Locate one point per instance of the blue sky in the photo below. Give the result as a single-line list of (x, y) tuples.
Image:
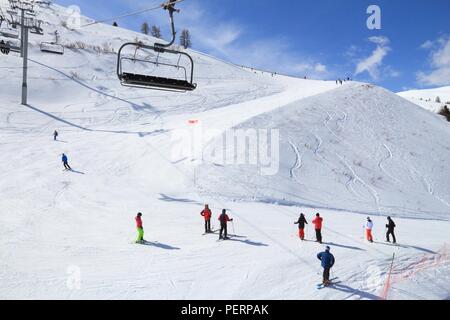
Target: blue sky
[(323, 39)]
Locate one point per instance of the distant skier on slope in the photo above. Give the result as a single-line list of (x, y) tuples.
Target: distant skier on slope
[(369, 227), (390, 230), (224, 218), (327, 260), (318, 220), (206, 213), (301, 226), (140, 228), (65, 162), (55, 135)]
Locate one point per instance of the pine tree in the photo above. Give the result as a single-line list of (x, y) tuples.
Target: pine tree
[(115, 24), (185, 39), (145, 28), (438, 99), (156, 32), (445, 112)]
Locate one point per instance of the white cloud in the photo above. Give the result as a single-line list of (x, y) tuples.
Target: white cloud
[(373, 63), (380, 40), (320, 68), (439, 75), (427, 45)]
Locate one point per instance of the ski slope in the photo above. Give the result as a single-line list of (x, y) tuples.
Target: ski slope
[(355, 148), (426, 98), (346, 152)]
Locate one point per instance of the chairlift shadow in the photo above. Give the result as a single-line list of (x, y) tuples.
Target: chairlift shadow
[(140, 134), (144, 106), (164, 197)]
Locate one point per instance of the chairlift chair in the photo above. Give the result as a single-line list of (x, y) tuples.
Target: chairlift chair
[(53, 47), (9, 31), (157, 56), (7, 46)]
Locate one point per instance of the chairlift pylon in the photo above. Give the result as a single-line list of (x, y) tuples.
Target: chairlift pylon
[(184, 82)]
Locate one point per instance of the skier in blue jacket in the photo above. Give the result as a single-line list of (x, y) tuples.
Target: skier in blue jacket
[(65, 161), (327, 260)]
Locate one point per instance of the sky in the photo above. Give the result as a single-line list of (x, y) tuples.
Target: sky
[(321, 39)]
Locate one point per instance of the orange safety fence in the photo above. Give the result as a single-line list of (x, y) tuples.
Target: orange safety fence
[(427, 261)]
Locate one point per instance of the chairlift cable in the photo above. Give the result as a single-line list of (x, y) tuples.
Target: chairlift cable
[(130, 14)]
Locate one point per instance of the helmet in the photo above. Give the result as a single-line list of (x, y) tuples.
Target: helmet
[(327, 248)]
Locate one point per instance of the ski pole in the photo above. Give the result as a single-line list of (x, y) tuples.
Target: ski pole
[(232, 224)]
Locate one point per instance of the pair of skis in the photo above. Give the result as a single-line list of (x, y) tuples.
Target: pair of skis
[(333, 282), (209, 232)]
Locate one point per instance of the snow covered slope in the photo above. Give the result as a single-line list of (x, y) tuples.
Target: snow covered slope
[(358, 148), (427, 98), (68, 235)]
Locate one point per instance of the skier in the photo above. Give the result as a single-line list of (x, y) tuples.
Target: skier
[(206, 213), (327, 260), (390, 230), (224, 218), (65, 162), (140, 228), (301, 226), (55, 135), (318, 227), (369, 227)]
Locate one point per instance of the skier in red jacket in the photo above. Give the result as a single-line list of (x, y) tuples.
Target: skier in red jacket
[(140, 228), (318, 226), (206, 213), (224, 218)]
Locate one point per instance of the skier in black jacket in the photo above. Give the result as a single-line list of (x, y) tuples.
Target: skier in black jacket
[(224, 218), (390, 230), (301, 226)]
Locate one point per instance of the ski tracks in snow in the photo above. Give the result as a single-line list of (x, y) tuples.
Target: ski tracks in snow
[(298, 162), (355, 179), (428, 185), (390, 156)]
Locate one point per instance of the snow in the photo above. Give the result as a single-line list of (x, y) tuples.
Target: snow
[(426, 98), (345, 151)]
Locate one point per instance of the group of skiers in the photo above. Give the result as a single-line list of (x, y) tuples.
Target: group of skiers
[(327, 259), (341, 82), (390, 226), (317, 222), (223, 219)]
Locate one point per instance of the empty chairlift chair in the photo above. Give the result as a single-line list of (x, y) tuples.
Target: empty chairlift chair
[(8, 30), (166, 68)]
